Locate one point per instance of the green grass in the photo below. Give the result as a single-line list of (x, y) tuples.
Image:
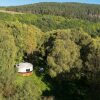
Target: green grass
[(20, 80)]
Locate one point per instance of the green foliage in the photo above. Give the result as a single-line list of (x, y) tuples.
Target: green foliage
[(63, 57), (69, 52), (27, 38), (93, 62), (65, 50), (14, 87), (7, 17), (28, 88), (7, 50), (71, 10), (51, 22), (7, 86)]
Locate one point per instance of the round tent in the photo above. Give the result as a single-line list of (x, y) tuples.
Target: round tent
[(25, 68)]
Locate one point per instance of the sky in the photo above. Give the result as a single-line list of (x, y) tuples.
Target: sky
[(23, 2)]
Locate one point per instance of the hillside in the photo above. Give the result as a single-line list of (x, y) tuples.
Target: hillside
[(51, 22), (71, 10), (66, 47)]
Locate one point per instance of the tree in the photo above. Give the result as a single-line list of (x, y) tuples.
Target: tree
[(64, 57), (7, 61), (93, 58), (61, 51), (7, 50), (27, 38)]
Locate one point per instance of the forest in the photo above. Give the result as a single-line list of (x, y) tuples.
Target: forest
[(70, 10), (65, 44)]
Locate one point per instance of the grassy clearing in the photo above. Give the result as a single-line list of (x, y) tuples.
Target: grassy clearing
[(10, 12)]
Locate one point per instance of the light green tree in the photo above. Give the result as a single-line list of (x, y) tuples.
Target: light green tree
[(64, 56)]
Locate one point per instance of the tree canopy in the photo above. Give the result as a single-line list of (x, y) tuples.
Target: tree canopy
[(63, 39)]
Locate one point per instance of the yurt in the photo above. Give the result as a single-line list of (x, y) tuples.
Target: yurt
[(25, 69)]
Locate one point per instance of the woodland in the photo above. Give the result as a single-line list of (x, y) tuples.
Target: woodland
[(62, 38)]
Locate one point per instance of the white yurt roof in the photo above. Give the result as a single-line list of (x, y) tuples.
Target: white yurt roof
[(24, 65)]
